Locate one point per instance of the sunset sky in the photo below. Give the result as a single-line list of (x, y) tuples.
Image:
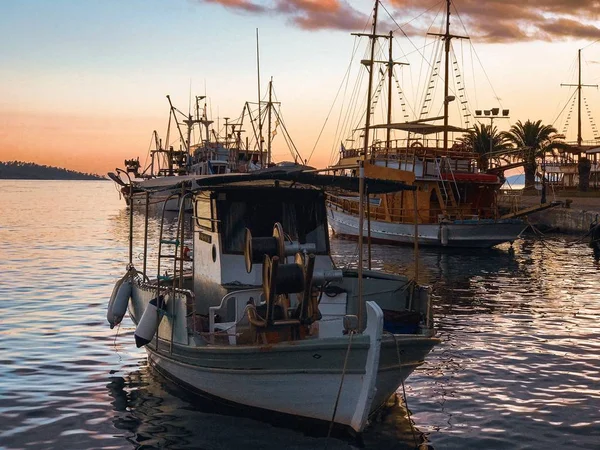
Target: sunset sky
[(83, 83)]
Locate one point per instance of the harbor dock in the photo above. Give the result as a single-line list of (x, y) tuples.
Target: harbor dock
[(577, 210)]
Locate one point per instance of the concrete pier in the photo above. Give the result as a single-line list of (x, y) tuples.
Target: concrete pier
[(575, 214)]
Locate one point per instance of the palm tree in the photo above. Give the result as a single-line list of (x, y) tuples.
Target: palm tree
[(533, 140), (478, 140)]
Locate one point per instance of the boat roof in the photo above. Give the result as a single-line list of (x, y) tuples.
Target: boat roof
[(303, 175)]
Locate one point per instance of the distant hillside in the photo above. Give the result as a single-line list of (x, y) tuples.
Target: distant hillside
[(18, 170), (516, 179)]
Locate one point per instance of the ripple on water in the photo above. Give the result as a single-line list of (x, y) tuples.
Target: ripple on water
[(518, 367)]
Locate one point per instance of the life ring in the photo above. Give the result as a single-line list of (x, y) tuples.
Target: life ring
[(417, 144)]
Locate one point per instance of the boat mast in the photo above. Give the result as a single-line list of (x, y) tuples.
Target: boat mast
[(361, 184), (190, 122), (389, 111), (579, 139), (260, 136), (446, 74), (369, 64), (579, 86), (390, 65), (447, 37), (269, 106)]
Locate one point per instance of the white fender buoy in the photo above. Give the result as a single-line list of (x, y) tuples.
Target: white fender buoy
[(444, 234), (148, 324), (119, 299)]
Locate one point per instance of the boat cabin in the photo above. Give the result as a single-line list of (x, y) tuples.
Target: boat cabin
[(223, 214)]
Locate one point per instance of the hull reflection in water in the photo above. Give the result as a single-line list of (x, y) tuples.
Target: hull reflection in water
[(154, 412)]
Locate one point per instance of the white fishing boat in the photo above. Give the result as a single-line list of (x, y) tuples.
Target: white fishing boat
[(258, 314), (210, 153)]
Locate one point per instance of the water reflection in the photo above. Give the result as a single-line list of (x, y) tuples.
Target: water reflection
[(152, 412), (518, 366)]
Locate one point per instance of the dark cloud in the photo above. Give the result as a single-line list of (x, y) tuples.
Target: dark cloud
[(489, 20), (319, 14), (518, 20)]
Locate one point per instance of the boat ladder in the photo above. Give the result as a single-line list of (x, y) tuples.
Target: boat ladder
[(179, 252), (442, 165)]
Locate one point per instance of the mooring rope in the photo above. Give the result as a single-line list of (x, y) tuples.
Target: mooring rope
[(412, 428), (542, 236), (337, 399)]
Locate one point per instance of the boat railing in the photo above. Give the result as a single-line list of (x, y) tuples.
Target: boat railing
[(388, 213), (422, 148)]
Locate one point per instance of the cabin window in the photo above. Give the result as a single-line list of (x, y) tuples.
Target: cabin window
[(204, 213), (300, 211)]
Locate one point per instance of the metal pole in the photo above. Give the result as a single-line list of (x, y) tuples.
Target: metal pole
[(361, 219), (446, 74), (389, 111), (260, 137), (130, 223), (146, 233), (270, 106), (361, 172), (579, 138), (369, 230), (416, 240)]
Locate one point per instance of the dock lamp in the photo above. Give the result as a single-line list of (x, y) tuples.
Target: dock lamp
[(491, 114)]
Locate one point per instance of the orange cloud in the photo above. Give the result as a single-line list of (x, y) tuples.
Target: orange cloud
[(306, 14), (244, 5), (489, 21)]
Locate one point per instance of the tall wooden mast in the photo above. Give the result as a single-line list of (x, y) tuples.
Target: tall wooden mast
[(361, 185), (369, 65), (270, 106), (579, 86), (390, 67), (260, 136), (447, 37)]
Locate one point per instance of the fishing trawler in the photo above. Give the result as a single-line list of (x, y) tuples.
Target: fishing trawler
[(258, 314), (456, 199), (210, 155), (213, 154)]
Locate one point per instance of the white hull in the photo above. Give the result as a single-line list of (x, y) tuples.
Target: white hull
[(468, 233), (287, 377), (290, 395)]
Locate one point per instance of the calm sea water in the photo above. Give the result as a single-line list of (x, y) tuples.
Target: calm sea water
[(519, 365)]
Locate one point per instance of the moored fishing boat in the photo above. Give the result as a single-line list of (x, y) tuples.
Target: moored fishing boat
[(456, 200), (211, 153), (263, 317)]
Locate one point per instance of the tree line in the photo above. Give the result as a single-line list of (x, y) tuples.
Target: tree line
[(530, 143), (15, 170)]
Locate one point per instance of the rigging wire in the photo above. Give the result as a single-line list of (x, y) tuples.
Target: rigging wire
[(496, 96), (400, 27), (572, 97), (339, 89)]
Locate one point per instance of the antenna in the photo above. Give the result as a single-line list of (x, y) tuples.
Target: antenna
[(260, 136), (190, 99)]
